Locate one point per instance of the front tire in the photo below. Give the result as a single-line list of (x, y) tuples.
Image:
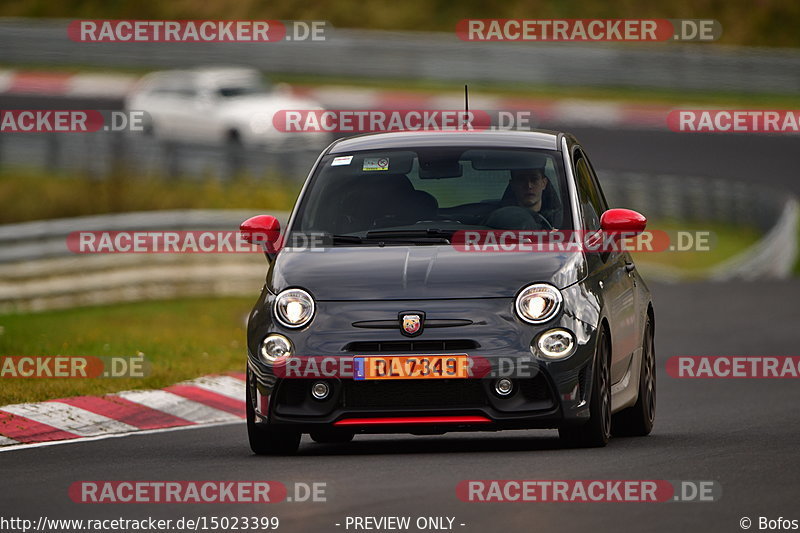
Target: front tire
[(596, 432), (266, 440), (637, 420)]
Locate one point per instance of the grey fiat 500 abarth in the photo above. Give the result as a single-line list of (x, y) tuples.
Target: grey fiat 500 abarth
[(429, 282)]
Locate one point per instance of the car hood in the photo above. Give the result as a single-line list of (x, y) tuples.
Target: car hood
[(418, 272)]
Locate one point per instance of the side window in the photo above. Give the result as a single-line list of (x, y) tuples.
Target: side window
[(603, 201), (173, 87), (592, 202)]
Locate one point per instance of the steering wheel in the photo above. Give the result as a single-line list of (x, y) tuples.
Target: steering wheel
[(541, 219)]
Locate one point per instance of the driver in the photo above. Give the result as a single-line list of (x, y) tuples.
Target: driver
[(528, 186), (522, 206)]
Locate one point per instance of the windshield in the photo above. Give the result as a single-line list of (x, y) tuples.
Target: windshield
[(428, 192), (244, 87)]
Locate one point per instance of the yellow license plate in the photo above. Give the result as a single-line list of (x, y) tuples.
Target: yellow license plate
[(412, 367)]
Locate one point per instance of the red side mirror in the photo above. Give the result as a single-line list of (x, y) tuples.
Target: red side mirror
[(264, 230), (623, 221)]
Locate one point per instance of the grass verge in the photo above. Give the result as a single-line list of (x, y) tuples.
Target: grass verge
[(180, 339), (725, 242)]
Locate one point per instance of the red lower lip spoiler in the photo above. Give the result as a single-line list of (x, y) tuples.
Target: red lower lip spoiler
[(413, 420)]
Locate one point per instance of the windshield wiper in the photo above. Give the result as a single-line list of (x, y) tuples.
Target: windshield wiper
[(395, 237), (431, 235), (348, 239)]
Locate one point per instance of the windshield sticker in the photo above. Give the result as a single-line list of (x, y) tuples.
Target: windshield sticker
[(341, 160), (376, 163)]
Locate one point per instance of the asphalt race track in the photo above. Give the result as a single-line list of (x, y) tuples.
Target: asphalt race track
[(757, 159), (740, 433)]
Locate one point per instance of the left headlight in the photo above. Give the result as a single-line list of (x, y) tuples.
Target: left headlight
[(275, 349), (556, 343), (294, 308), (538, 303)]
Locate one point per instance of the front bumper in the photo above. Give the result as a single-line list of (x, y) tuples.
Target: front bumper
[(546, 393), (378, 404)]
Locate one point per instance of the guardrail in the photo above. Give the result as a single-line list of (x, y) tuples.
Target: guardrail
[(732, 203), (696, 199), (432, 56), (38, 272)]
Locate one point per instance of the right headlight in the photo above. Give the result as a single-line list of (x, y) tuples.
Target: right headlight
[(538, 303), (294, 308)]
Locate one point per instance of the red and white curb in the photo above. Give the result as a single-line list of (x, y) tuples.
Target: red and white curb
[(551, 111), (209, 400), (66, 84)]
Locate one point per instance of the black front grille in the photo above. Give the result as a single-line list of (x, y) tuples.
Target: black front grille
[(449, 345), (535, 389), (409, 394)]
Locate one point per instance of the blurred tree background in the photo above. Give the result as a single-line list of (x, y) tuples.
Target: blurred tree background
[(745, 22)]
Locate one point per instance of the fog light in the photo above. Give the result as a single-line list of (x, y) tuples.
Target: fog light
[(275, 349), (556, 343), (320, 390), (504, 387)]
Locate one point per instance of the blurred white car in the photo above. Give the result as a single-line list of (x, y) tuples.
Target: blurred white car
[(216, 106)]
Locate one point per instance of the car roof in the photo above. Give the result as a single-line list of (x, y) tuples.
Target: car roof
[(537, 139)]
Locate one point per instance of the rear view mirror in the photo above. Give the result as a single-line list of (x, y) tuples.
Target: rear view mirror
[(439, 168), (623, 221), (505, 159)]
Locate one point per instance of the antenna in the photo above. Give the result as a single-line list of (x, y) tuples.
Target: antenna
[(466, 98)]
